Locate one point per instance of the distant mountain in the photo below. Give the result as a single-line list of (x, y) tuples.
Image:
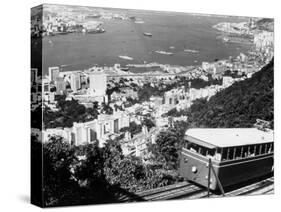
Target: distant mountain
[(265, 24), (238, 105)]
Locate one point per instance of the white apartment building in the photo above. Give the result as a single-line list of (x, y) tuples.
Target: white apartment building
[(53, 73), (98, 130), (75, 81), (98, 83)]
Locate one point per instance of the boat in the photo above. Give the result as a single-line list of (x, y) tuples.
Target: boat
[(190, 51), (96, 31), (124, 68), (147, 34), (94, 16), (225, 39), (139, 21), (165, 53), (125, 57)]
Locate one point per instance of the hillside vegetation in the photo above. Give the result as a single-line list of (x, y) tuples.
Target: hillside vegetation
[(265, 24), (239, 105)]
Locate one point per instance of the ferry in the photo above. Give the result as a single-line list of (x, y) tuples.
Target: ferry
[(133, 18), (139, 21), (190, 51), (165, 53), (225, 39), (96, 31), (147, 34), (125, 57)]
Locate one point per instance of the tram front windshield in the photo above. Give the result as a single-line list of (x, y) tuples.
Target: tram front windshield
[(202, 150)]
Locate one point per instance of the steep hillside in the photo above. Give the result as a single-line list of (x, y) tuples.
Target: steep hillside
[(265, 24), (239, 105)]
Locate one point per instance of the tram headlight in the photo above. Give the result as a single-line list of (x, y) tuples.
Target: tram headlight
[(194, 169)]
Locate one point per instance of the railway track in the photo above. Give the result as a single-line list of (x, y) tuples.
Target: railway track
[(187, 190)]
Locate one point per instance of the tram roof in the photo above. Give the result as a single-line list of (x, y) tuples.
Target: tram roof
[(228, 137)]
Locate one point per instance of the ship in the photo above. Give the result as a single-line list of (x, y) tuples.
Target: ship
[(147, 34), (138, 21), (163, 52), (190, 51), (96, 31), (133, 18), (125, 57), (125, 68)]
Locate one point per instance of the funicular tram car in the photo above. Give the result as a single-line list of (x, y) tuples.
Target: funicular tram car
[(237, 155)]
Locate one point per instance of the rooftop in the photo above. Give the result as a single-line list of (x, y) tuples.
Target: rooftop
[(225, 137)]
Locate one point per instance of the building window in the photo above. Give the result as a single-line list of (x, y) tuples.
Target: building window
[(72, 139), (116, 126), (93, 135)]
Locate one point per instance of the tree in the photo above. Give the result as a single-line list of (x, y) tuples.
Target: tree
[(90, 175), (69, 112), (92, 113), (106, 109), (112, 153), (167, 147), (74, 175), (127, 172), (57, 177), (133, 128), (90, 172), (148, 123)]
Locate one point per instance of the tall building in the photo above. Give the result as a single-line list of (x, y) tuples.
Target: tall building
[(98, 83), (60, 85), (54, 73), (34, 74), (45, 85), (251, 23), (82, 134), (75, 81)]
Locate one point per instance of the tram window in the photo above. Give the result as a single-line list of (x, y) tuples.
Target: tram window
[(272, 147), (245, 151), (269, 150), (257, 149), (231, 153), (260, 149), (186, 145), (218, 154), (263, 149), (203, 151), (210, 153), (251, 150), (193, 147), (237, 154), (224, 154)]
